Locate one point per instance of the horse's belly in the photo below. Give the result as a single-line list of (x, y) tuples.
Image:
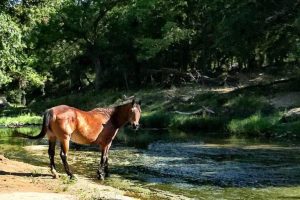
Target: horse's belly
[(81, 139)]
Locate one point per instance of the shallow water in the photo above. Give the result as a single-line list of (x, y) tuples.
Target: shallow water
[(176, 165)]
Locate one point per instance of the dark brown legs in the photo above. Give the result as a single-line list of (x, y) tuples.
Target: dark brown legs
[(103, 168), (64, 156), (51, 152)]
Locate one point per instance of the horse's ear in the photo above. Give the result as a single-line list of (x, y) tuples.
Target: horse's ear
[(140, 102), (133, 102)]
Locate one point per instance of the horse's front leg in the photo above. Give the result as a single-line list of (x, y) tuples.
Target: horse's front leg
[(64, 157), (106, 171), (103, 167)]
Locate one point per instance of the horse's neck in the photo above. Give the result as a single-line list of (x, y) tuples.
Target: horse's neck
[(120, 116), (105, 112), (117, 115)]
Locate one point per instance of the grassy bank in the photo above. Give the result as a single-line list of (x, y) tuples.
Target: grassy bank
[(247, 111)]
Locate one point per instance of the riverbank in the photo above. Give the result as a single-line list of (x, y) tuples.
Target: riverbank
[(20, 180), (248, 110)]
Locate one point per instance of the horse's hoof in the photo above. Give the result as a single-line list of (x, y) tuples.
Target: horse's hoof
[(73, 177), (101, 177), (55, 176)]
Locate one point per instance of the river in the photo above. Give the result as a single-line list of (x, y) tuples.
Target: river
[(177, 165)]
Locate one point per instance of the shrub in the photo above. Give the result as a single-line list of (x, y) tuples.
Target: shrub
[(288, 129), (156, 119), (245, 106), (197, 123), (255, 125)]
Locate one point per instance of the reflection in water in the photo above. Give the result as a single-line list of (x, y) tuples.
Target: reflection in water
[(176, 165)]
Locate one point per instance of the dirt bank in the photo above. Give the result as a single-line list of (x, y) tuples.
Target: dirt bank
[(19, 180)]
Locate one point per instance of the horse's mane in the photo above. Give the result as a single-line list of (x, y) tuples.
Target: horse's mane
[(120, 103), (108, 111)]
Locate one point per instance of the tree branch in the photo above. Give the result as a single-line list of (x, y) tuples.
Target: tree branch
[(203, 110)]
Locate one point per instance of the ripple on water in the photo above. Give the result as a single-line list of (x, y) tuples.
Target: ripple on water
[(223, 166)]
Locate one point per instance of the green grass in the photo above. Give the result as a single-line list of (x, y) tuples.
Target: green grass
[(243, 106), (255, 125), (242, 112), (291, 129), (182, 122), (197, 123), (21, 119), (156, 119)]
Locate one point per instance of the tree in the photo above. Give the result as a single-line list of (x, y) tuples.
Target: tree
[(18, 70)]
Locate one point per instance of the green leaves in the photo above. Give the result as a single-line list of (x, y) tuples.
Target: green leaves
[(171, 34), (11, 47), (70, 43)]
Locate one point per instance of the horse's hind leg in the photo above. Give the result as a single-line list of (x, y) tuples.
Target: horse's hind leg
[(51, 152), (64, 156)]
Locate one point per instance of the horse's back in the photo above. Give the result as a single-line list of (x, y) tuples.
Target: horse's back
[(63, 110), (83, 127)]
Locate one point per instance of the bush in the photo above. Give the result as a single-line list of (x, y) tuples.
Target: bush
[(197, 123), (288, 129), (245, 106), (255, 125), (156, 119)]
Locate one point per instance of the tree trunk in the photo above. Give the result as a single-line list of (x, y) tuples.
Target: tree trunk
[(23, 98), (98, 71)]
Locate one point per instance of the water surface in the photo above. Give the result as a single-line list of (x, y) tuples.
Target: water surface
[(177, 165)]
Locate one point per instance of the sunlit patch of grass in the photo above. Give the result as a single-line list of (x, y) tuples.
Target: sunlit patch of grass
[(255, 125), (21, 119)]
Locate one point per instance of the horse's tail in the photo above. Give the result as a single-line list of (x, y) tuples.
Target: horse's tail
[(46, 120)]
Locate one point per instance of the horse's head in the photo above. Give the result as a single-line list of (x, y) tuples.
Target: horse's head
[(135, 114)]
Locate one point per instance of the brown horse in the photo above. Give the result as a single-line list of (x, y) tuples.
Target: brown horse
[(98, 126)]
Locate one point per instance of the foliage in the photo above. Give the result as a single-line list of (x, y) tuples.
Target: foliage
[(197, 123), (10, 49), (19, 72), (243, 106), (290, 129), (49, 47), (255, 125), (156, 119)]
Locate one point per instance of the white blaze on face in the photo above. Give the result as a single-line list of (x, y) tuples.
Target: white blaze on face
[(135, 116)]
